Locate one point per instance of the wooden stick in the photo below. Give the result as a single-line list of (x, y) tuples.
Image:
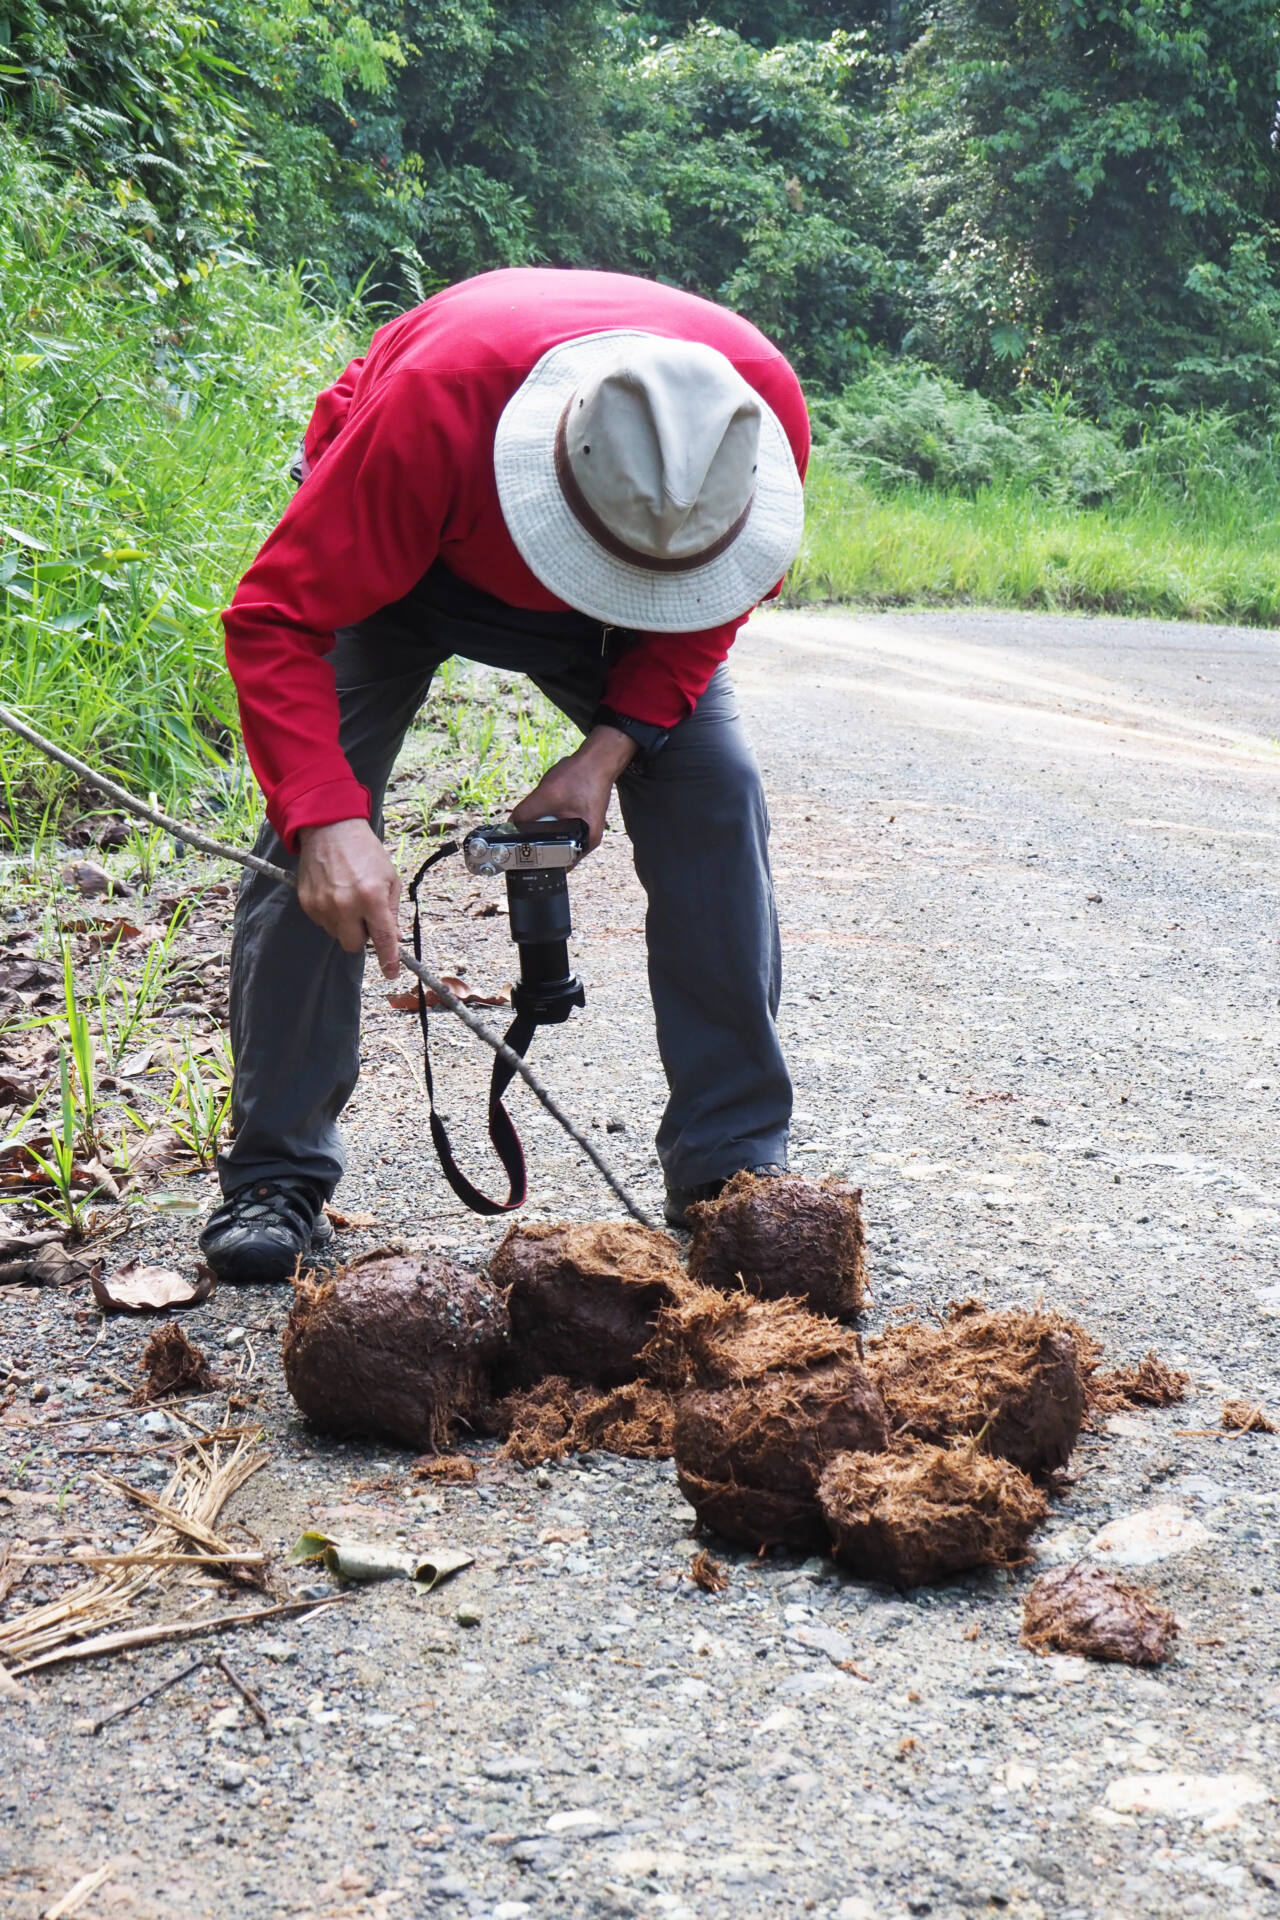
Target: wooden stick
[(107, 1562), (175, 1630), (72, 1901), (152, 1693), (247, 1694), (203, 844)]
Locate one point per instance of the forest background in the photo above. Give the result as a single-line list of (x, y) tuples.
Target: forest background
[(1024, 253)]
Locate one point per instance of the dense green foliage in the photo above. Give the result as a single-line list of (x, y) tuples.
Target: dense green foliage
[(1024, 252), (1020, 192)]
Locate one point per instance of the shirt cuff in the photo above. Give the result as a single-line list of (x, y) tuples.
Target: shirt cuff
[(290, 810)]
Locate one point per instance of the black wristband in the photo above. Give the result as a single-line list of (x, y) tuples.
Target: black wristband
[(649, 739)]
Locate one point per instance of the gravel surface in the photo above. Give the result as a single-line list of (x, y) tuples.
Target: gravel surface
[(1026, 872)]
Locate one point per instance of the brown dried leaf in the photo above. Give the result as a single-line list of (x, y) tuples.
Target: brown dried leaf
[(160, 1150), (342, 1218), (141, 1289), (408, 1001), (87, 877)]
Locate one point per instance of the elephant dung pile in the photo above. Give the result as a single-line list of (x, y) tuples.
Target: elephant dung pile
[(928, 1451)]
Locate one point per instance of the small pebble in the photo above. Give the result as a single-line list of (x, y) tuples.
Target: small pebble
[(231, 1776), (467, 1617), (40, 1391)]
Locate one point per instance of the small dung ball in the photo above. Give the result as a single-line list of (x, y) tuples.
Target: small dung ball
[(749, 1456), (922, 1512), (583, 1299), (397, 1345), (783, 1235), (1085, 1610)]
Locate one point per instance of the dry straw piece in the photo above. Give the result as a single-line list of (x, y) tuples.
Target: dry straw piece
[(583, 1298), (396, 1345), (1013, 1377), (784, 1237), (922, 1512), (183, 1545), (1083, 1610)]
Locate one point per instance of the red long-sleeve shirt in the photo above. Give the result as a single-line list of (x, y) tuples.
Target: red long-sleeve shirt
[(400, 451)]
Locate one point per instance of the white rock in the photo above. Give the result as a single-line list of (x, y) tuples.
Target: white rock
[(224, 1720), (1214, 1799), (854, 1907), (829, 1640), (511, 1910), (1153, 1533), (574, 1819)]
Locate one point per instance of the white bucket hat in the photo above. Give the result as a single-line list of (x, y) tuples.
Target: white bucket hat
[(646, 483)]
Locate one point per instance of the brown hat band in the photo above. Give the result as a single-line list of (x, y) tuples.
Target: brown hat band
[(590, 522)]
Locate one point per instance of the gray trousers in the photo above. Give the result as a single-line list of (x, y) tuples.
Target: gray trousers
[(697, 821)]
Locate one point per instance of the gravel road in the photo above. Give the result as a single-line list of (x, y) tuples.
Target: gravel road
[(1026, 869)]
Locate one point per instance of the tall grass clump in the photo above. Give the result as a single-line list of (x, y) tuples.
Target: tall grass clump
[(925, 493), (144, 438)]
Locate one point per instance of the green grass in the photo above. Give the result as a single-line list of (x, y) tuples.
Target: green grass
[(143, 446), (1216, 557)]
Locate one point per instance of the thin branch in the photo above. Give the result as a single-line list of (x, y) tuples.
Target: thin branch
[(203, 844)]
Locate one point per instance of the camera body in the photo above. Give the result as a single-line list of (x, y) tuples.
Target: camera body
[(535, 861)]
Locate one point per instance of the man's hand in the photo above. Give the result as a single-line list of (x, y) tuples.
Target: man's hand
[(348, 886), (579, 786)]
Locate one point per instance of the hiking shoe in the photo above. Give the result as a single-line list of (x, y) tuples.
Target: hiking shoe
[(259, 1231), (680, 1199)]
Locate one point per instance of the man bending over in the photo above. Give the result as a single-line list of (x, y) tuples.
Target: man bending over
[(586, 478)]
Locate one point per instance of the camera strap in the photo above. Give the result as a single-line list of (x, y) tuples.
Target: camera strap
[(506, 1141)]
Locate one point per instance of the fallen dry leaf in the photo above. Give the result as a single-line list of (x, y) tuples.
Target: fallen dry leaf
[(407, 1001), (341, 1218), (141, 1289), (374, 1560), (160, 1150), (41, 1261), (87, 877)]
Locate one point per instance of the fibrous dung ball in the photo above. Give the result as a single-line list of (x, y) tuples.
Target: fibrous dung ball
[(749, 1456), (583, 1299), (396, 1345), (1084, 1610), (783, 1236), (921, 1512), (1013, 1377)]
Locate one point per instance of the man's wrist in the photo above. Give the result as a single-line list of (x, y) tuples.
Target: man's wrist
[(609, 748)]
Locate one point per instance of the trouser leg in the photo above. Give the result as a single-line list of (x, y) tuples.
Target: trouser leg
[(295, 995), (699, 829)]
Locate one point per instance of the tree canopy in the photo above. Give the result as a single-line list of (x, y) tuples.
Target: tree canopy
[(1020, 192)]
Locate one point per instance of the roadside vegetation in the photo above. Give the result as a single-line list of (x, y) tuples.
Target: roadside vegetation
[(1025, 259)]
